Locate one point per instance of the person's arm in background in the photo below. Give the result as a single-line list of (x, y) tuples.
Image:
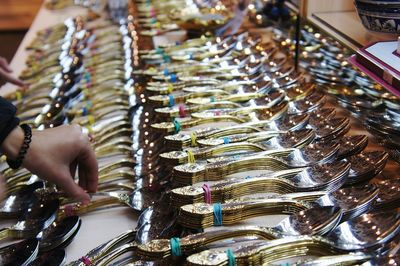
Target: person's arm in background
[(6, 74), (234, 24), (53, 154)]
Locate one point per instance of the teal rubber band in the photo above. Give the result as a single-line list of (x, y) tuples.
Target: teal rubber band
[(175, 247), (171, 100), (177, 126), (217, 214), (166, 58), (87, 77), (212, 99), (231, 257), (226, 140), (159, 50)]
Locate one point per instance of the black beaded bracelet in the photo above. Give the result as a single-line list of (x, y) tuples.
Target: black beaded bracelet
[(15, 164)]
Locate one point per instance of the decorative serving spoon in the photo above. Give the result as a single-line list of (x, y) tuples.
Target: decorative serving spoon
[(308, 222)]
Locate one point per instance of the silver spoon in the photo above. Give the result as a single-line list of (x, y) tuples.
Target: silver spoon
[(353, 201), (21, 253), (59, 233), (366, 231), (17, 203), (240, 144), (308, 222), (359, 234), (324, 177), (366, 165), (37, 217), (56, 257)]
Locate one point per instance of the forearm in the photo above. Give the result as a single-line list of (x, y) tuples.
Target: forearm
[(12, 143), (11, 136)]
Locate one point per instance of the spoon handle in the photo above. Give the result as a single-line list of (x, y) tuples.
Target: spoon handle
[(161, 248), (194, 172), (179, 157), (169, 127), (5, 233), (105, 260), (203, 215), (237, 187), (78, 209), (267, 252), (101, 251)]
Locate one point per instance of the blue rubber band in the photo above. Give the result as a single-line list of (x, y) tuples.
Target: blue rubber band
[(173, 78), (212, 99), (171, 100), (190, 56), (178, 43), (231, 257), (248, 177), (226, 140), (177, 126), (217, 214), (175, 247), (84, 111), (166, 72)]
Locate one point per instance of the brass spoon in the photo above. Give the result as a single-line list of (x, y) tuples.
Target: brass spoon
[(311, 221)]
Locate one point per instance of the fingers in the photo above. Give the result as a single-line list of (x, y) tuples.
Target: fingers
[(4, 65), (68, 185), (87, 168), (10, 78)]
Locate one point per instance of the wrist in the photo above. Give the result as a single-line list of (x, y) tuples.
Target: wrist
[(13, 142), (14, 159)]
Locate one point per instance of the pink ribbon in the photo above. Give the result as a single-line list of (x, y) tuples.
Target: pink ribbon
[(86, 260), (182, 111), (207, 193)]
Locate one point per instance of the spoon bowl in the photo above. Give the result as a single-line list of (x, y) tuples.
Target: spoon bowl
[(21, 253), (58, 233), (38, 216), (17, 203), (366, 231), (57, 257)]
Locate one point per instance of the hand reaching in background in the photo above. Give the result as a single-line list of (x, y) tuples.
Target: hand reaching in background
[(6, 74), (236, 22)]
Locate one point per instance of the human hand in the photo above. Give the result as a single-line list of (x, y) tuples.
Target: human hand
[(235, 23), (6, 74), (55, 154)]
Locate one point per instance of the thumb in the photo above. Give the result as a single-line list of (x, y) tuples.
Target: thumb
[(68, 185)]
